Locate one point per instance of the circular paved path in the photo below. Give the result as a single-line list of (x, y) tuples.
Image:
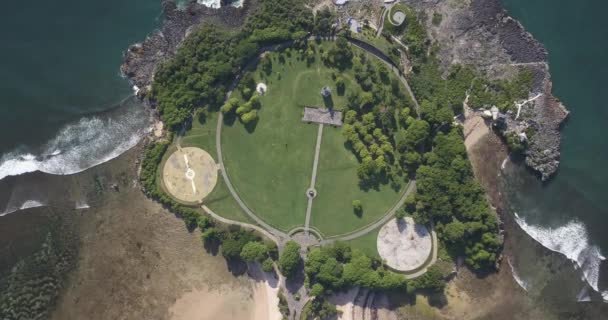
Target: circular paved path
[(404, 244), (190, 174)]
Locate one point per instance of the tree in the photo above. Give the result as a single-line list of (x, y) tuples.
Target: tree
[(416, 135), (211, 235), (249, 117), (267, 265), (431, 280), (454, 231), (340, 85), (290, 259), (266, 65), (254, 251), (358, 207), (317, 290)]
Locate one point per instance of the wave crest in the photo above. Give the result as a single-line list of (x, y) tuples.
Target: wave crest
[(572, 241), (86, 143)]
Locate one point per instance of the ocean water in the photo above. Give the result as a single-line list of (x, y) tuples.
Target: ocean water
[(569, 215), (64, 106)]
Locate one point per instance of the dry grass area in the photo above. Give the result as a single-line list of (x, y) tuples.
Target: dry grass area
[(137, 261)]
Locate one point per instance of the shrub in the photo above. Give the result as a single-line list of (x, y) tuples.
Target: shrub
[(357, 207), (267, 265), (254, 252), (290, 259)]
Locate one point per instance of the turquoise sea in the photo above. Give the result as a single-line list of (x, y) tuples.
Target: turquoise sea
[(569, 215), (63, 106)]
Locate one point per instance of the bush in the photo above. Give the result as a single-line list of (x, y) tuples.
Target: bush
[(268, 265), (254, 252), (431, 280), (290, 259), (358, 207), (249, 117)]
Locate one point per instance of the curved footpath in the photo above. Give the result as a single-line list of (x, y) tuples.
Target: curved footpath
[(275, 233)]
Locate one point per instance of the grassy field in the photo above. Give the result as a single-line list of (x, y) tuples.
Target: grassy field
[(202, 135), (367, 243), (270, 165), (338, 185)]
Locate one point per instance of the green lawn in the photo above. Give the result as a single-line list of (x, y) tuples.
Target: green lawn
[(367, 243), (202, 135), (338, 185), (270, 165)]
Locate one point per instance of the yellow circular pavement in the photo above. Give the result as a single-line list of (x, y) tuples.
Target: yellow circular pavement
[(190, 174)]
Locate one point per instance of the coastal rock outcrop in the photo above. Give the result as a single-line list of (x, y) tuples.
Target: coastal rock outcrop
[(480, 33), (141, 59)]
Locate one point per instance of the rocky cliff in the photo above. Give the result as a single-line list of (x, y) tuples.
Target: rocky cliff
[(480, 33), (141, 59)]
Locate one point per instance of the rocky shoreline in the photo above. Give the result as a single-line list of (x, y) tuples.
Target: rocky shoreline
[(482, 34), (141, 59)]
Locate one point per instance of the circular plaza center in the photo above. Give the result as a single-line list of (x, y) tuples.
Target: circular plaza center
[(404, 244), (190, 174)]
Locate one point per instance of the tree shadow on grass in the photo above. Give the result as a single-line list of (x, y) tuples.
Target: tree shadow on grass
[(237, 267), (250, 127), (212, 247), (230, 119), (328, 102)]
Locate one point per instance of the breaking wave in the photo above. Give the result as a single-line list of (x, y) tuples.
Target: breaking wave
[(28, 204), (81, 204), (522, 283), (572, 241), (81, 145)]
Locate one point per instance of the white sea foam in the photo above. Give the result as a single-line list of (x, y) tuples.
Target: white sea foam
[(211, 3), (572, 241), (504, 163), (83, 144), (25, 205), (523, 284), (218, 3), (81, 204), (583, 296)]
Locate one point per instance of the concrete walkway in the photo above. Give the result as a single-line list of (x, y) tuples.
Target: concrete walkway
[(313, 179), (278, 233)]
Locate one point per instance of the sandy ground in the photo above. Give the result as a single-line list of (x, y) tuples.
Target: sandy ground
[(475, 128), (345, 303), (138, 261), (404, 245), (190, 174), (266, 294)]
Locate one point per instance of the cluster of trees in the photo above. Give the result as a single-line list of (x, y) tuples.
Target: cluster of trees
[(447, 192), (247, 112), (449, 195), (324, 20), (332, 268), (371, 119), (501, 93), (319, 308), (340, 55), (208, 60)]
